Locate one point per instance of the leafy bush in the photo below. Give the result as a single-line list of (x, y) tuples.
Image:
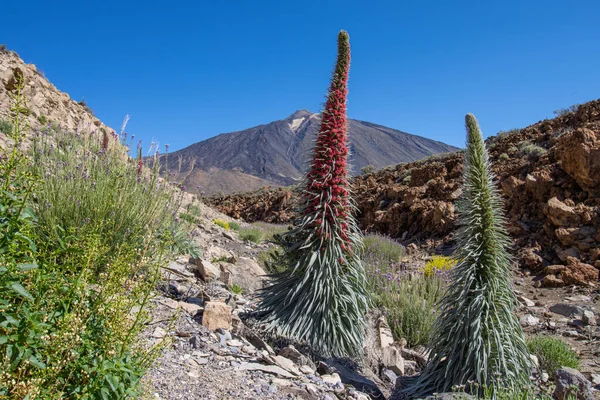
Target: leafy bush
[(190, 218), (438, 263), (367, 169), (531, 151), (409, 299), (221, 223), (552, 353), (270, 231), (561, 112), (194, 209), (5, 127), (380, 250), (234, 226), (253, 234), (504, 157), (76, 279)]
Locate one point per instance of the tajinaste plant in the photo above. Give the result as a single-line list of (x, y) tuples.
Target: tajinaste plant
[(477, 341), (321, 297)]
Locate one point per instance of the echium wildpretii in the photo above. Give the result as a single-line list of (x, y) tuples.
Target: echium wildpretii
[(321, 297), (477, 341)]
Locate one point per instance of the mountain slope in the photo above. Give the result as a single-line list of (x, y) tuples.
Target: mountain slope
[(276, 153)]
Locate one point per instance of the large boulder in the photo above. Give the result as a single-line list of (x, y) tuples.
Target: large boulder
[(562, 214), (579, 155), (574, 273)]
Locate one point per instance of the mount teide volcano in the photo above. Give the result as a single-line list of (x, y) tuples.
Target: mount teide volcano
[(276, 154)]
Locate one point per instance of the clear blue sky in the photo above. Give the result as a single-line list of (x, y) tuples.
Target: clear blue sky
[(189, 70)]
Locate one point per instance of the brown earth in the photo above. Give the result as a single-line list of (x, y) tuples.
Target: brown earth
[(548, 174)]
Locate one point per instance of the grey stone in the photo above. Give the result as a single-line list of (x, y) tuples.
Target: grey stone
[(589, 318), (570, 381), (568, 310), (529, 320)]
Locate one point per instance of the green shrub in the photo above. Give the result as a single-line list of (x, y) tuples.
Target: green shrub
[(270, 231), (380, 250), (42, 119), (194, 209), (369, 169), (190, 218), (5, 127), (504, 157), (76, 279), (409, 300), (531, 151), (235, 289), (251, 234), (552, 353), (234, 226), (561, 112)]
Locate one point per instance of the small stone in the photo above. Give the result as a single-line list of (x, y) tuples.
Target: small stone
[(332, 379), (535, 360), (305, 369), (287, 364), (216, 315), (205, 269), (190, 308), (545, 377), (596, 379), (385, 333), (392, 359), (234, 343), (251, 350), (569, 381), (589, 318), (529, 320), (390, 375), (312, 389), (159, 333), (526, 301)]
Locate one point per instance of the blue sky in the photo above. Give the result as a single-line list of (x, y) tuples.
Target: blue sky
[(189, 70)]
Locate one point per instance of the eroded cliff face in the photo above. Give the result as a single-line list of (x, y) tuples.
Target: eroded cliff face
[(45, 104), (548, 173)]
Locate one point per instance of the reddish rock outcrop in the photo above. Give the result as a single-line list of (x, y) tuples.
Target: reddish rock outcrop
[(548, 173)]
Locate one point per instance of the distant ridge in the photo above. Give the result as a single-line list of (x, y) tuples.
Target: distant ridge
[(275, 154)]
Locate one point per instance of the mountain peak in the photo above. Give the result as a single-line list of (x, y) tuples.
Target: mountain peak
[(299, 114)]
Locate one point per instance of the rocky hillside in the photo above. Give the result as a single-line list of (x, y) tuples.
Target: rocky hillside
[(45, 103), (275, 154), (549, 174)]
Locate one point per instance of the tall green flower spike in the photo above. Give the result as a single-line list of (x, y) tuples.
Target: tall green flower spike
[(477, 340), (321, 298)]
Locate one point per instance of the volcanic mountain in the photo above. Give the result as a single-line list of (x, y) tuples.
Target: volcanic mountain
[(277, 153)]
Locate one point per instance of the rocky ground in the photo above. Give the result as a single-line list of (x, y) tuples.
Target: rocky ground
[(214, 349)]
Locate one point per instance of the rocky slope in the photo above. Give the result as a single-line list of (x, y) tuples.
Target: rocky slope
[(216, 349), (549, 174), (275, 154), (45, 103)]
